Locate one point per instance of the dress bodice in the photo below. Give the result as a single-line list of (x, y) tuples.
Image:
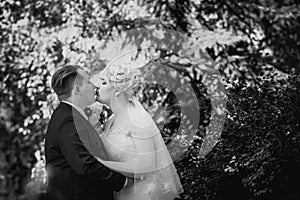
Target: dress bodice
[(118, 142)]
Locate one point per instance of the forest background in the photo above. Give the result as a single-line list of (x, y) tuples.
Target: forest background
[(254, 46)]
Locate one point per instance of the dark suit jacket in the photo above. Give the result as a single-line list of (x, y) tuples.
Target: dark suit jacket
[(73, 172)]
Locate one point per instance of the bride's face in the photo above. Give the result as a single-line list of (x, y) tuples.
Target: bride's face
[(105, 91)]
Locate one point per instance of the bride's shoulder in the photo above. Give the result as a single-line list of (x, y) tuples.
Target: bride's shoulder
[(140, 118), (143, 126)]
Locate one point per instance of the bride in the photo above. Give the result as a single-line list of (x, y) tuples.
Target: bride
[(132, 140)]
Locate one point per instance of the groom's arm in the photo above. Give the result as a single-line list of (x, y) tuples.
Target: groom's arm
[(82, 162)]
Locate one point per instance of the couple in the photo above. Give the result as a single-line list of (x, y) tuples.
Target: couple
[(128, 161)]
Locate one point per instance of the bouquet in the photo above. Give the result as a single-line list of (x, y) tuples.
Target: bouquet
[(97, 115)]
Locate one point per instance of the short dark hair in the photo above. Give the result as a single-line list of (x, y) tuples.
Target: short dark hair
[(63, 81)]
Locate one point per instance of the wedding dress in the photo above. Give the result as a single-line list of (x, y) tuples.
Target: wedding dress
[(157, 180)]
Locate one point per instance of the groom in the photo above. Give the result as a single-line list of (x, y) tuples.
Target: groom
[(71, 144)]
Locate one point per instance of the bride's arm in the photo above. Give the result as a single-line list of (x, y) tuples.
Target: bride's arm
[(125, 168), (144, 158), (120, 166)]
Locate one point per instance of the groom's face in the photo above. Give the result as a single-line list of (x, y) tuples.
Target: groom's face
[(86, 89)]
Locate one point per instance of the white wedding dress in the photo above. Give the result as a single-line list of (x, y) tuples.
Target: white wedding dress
[(120, 147), (159, 183)]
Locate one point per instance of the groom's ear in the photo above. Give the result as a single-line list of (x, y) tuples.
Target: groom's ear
[(76, 89)]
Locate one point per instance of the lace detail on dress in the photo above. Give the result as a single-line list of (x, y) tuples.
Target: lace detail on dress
[(160, 183), (118, 144)]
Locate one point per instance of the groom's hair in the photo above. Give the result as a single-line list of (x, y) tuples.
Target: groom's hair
[(63, 81)]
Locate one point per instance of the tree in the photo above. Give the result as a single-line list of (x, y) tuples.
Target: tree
[(242, 40)]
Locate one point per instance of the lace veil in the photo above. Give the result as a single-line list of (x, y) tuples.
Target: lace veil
[(159, 177)]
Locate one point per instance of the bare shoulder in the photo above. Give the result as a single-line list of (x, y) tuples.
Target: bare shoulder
[(143, 126)]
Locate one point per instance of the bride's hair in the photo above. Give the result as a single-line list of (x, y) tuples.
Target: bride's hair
[(125, 79)]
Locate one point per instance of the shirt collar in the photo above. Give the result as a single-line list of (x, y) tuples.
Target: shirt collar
[(77, 108)]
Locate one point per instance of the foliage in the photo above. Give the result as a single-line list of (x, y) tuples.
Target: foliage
[(249, 42), (257, 157)]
